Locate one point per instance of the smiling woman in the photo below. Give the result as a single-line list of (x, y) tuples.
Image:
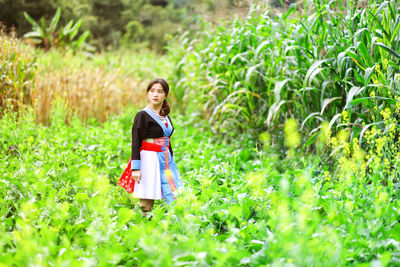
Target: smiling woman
[(152, 173)]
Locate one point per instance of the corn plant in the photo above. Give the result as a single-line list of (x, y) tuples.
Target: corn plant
[(18, 69), (310, 66)]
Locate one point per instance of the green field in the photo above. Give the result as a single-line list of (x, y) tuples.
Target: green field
[(61, 204), (287, 139)]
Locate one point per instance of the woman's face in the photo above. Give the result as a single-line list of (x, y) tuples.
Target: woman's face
[(156, 94)]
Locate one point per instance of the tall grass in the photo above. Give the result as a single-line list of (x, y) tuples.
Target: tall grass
[(93, 86), (311, 66), (90, 92)]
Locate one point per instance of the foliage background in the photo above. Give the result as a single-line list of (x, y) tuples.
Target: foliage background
[(287, 138), (131, 23)]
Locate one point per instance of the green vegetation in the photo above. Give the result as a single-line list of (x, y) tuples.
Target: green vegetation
[(61, 205), (262, 70), (92, 85), (287, 139), (50, 36), (332, 68), (122, 23)]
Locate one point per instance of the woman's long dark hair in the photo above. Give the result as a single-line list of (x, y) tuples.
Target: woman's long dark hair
[(165, 108)]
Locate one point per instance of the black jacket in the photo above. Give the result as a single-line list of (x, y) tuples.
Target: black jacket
[(144, 126)]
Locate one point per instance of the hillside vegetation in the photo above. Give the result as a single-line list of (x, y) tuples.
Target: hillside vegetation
[(286, 137), (120, 23)]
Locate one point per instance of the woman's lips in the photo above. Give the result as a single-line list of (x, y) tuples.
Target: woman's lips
[(155, 99)]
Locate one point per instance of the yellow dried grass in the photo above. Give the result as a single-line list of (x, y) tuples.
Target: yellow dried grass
[(91, 93)]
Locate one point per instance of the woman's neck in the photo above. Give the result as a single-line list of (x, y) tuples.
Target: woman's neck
[(155, 108)]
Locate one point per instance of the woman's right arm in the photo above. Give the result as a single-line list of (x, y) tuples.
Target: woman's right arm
[(138, 129)]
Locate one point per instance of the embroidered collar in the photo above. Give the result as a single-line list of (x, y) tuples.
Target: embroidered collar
[(166, 130)]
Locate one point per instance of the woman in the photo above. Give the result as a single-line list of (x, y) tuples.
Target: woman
[(152, 166)]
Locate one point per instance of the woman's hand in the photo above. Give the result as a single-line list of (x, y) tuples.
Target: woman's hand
[(137, 176)]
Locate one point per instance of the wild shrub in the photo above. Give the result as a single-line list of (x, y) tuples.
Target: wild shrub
[(52, 35)]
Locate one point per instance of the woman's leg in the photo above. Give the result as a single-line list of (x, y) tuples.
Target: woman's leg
[(146, 205)]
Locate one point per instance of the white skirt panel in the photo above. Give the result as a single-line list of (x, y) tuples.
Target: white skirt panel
[(150, 184)]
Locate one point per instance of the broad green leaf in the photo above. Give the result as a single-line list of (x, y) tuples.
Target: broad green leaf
[(81, 39), (311, 140), (396, 29), (314, 74), (367, 75), (340, 59), (31, 21), (252, 74), (357, 101), (391, 51), (236, 211), (74, 30), (66, 29), (310, 116), (355, 90), (378, 23), (334, 119), (326, 102), (355, 58), (359, 78), (261, 47), (364, 52), (310, 71), (278, 88), (273, 110), (55, 20), (124, 215)]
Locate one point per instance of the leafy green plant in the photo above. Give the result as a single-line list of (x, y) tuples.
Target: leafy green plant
[(242, 204), (59, 198), (50, 36), (311, 66)]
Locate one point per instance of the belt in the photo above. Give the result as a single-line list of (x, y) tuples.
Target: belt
[(155, 143)]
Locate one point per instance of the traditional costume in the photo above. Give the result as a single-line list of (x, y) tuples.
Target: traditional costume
[(152, 155)]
